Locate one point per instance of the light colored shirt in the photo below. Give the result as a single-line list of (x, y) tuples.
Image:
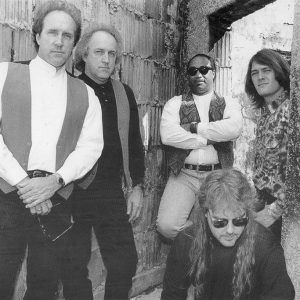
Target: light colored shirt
[(227, 129), (48, 108)]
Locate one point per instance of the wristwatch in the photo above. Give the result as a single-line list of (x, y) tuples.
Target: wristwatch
[(59, 179)]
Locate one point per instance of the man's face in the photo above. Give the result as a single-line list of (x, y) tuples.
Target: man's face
[(101, 56), (227, 235), (264, 81), (56, 39), (201, 84)]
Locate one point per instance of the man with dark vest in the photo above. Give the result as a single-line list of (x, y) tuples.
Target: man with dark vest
[(51, 135), (197, 128), (102, 206)]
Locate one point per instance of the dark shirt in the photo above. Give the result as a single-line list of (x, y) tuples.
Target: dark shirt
[(271, 280), (110, 164)]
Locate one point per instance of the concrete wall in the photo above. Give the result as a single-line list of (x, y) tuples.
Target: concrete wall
[(198, 36), (291, 219)]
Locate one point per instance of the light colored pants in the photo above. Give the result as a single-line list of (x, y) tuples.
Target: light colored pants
[(177, 202)]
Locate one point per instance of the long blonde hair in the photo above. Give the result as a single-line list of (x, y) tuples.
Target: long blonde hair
[(231, 187)]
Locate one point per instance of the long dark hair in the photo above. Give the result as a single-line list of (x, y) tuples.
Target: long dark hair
[(276, 62), (230, 187)]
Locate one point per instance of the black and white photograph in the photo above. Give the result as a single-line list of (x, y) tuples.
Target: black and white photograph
[(149, 149)]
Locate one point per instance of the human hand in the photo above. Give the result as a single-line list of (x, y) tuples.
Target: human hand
[(186, 126), (37, 190), (264, 217), (134, 203), (23, 182), (43, 208)]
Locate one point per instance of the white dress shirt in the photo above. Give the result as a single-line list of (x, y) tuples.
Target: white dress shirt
[(227, 129), (48, 108)]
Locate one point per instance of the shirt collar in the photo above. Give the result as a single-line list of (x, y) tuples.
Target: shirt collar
[(276, 103), (46, 68), (202, 98), (93, 84)]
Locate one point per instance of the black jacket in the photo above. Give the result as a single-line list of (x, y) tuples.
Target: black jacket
[(271, 280)]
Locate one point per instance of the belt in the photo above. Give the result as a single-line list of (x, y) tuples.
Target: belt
[(38, 173), (205, 168)]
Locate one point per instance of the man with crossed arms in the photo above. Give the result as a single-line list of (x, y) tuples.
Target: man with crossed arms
[(198, 128)]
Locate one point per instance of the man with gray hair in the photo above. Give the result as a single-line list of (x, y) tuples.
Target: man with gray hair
[(102, 206), (50, 136)]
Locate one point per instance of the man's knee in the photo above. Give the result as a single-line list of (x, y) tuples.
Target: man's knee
[(167, 228)]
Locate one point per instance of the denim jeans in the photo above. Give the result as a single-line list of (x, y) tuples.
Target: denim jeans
[(177, 201)]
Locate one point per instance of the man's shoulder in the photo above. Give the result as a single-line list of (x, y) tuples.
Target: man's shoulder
[(12, 68), (23, 62), (127, 88), (187, 235), (4, 65), (175, 100), (77, 80), (265, 241), (228, 100), (16, 64)]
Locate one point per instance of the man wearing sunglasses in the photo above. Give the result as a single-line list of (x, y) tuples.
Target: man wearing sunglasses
[(197, 128), (226, 254)]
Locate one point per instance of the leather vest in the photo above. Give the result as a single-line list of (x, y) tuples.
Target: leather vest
[(16, 119), (123, 113)]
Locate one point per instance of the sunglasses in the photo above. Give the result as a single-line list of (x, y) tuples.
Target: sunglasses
[(192, 71), (221, 223)]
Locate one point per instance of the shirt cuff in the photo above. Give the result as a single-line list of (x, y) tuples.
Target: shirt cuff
[(199, 137), (66, 176), (18, 177)]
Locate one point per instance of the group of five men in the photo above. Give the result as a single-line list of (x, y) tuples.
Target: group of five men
[(70, 147)]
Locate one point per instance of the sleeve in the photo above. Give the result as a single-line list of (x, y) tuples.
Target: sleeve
[(10, 169), (172, 133), (275, 282), (136, 148), (89, 146), (176, 280), (227, 129)]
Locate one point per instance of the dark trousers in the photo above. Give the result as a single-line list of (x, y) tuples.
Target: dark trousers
[(266, 198), (18, 228), (105, 211)]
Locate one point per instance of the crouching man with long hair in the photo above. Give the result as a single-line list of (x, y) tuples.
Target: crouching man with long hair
[(226, 254)]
